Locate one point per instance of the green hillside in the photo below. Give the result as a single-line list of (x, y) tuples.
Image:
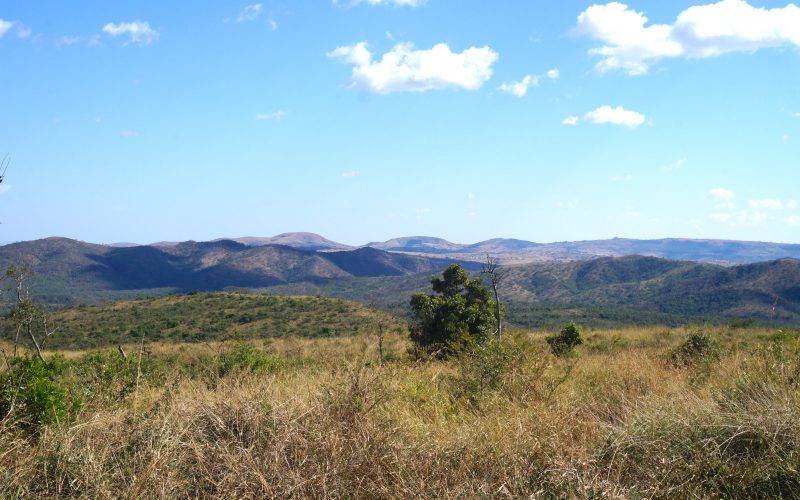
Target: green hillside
[(212, 316)]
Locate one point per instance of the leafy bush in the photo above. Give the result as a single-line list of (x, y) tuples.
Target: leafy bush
[(566, 340), (481, 368), (460, 313), (697, 348), (29, 395), (243, 357)]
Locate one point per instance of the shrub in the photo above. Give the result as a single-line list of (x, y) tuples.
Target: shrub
[(29, 396), (566, 340), (243, 357), (459, 313), (696, 348)]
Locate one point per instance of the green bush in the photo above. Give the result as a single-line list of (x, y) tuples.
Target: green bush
[(566, 340), (30, 396), (459, 313), (481, 368), (243, 357), (698, 347)]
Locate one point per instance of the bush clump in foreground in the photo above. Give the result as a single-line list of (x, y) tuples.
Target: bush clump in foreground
[(29, 395), (459, 314), (566, 340), (697, 348)]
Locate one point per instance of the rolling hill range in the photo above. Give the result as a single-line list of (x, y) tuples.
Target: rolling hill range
[(72, 272), (609, 290), (631, 289), (514, 251), (511, 251)]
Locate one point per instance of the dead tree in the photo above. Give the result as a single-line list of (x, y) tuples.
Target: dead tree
[(496, 276), (26, 316)]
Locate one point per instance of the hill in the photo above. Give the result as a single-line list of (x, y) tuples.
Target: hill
[(301, 241), (73, 272), (212, 316), (609, 290), (513, 251)]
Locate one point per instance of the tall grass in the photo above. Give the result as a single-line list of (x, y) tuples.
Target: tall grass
[(320, 418)]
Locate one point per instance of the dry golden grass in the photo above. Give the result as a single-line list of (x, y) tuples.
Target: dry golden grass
[(616, 420)]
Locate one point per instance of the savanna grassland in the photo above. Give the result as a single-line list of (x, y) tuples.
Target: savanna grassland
[(632, 413)]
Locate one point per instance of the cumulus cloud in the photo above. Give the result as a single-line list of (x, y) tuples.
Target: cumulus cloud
[(571, 120), (766, 204), (5, 27), (629, 43), (615, 116), (250, 13), (22, 30), (722, 194), (273, 115), (520, 88), (404, 69), (138, 32), (740, 218), (553, 74), (675, 165), (772, 204)]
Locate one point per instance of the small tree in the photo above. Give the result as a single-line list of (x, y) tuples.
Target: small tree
[(569, 337), (459, 313), (26, 317), (490, 268)]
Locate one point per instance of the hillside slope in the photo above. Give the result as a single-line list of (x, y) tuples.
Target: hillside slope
[(211, 316), (71, 272)]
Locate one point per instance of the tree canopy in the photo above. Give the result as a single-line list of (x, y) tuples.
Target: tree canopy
[(460, 311)]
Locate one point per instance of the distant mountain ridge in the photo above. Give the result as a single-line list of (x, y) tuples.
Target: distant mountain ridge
[(515, 251), (629, 288), (65, 269)]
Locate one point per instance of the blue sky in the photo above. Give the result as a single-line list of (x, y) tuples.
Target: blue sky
[(547, 121)]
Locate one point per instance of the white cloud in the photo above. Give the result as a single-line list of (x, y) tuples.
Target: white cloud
[(23, 31), (793, 220), (273, 115), (553, 74), (138, 32), (406, 70), (721, 217), (353, 173), (520, 88), (67, 40), (722, 194), (785, 138), (571, 120), (470, 196), (741, 218), (766, 204), (4, 188), (250, 13), (615, 116), (791, 204), (629, 44), (675, 165), (5, 26), (273, 25), (128, 134)]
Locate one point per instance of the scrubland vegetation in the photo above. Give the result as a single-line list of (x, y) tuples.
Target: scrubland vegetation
[(630, 413)]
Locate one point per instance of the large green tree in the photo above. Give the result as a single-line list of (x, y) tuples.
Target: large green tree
[(460, 311)]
